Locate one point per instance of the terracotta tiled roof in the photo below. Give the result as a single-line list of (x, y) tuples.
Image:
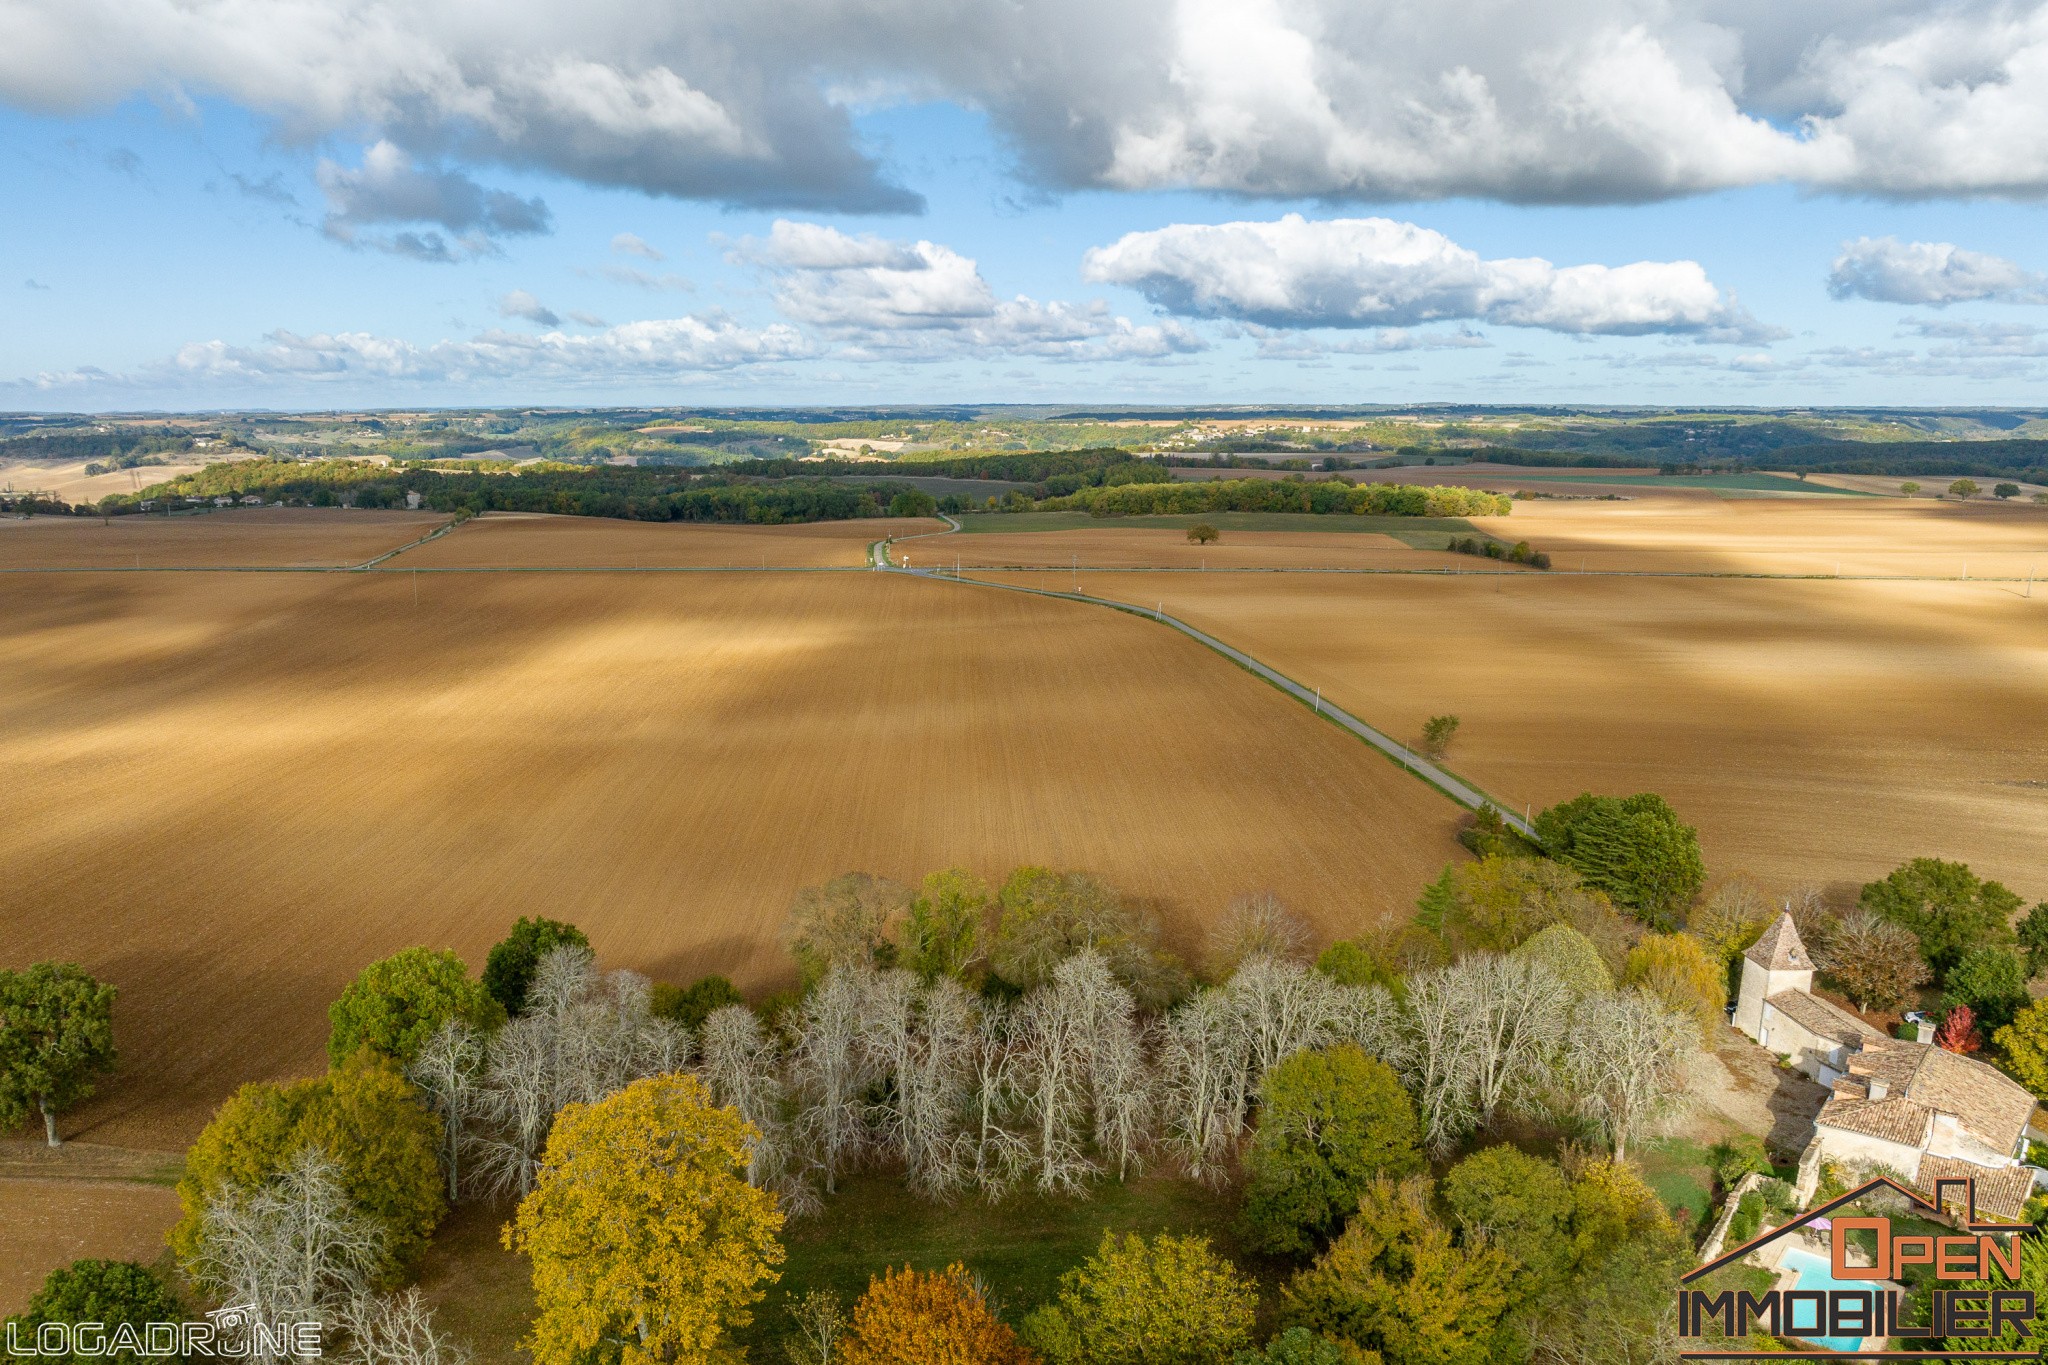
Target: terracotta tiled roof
[(1920, 1081), (1819, 1016), (2001, 1191), (1780, 949)]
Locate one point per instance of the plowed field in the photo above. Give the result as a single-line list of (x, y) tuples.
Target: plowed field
[(49, 1223), (524, 540), (1814, 731), (1166, 548), (241, 537), (226, 793)]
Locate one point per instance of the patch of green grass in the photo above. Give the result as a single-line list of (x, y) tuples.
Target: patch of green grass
[(1420, 533), (1678, 1170)]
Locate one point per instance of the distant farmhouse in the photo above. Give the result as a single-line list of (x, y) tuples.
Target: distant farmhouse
[(1924, 1112)]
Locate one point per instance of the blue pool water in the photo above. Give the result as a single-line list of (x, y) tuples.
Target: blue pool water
[(1815, 1273)]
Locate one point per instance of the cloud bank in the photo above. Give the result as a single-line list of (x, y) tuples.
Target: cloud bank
[(1888, 270)]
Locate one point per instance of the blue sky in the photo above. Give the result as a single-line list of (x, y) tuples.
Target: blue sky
[(1697, 209)]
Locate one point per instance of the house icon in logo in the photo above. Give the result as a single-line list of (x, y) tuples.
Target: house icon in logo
[(1863, 1303)]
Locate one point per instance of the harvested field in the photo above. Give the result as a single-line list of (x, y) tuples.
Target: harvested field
[(45, 1224), (1931, 484), (1780, 535), (225, 794), (242, 537), (1814, 731), (528, 540), (68, 481), (1163, 548)]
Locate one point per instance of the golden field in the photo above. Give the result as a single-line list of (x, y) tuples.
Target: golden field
[(1814, 730), (227, 793), (240, 537), (533, 540)]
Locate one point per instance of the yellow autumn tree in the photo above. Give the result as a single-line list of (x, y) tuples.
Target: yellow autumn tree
[(1680, 970), (645, 1237), (934, 1319)]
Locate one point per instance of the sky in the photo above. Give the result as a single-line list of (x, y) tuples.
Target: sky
[(400, 203)]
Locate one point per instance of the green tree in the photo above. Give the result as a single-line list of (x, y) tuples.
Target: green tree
[(1945, 906), (56, 1040), (1634, 848), (1733, 916), (1992, 981), (1045, 917), (1202, 533), (1571, 956), (1331, 1121), (1299, 1346), (365, 1116), (691, 1005), (1396, 1283), (2032, 932), (913, 502), (1963, 489), (1519, 1203), (1437, 732), (647, 1242), (114, 1294), (509, 969), (2005, 490), (1678, 969), (946, 917), (1626, 1257), (1169, 1301), (1909, 488), (1351, 963), (394, 1006), (847, 920), (1500, 900), (2024, 1042)]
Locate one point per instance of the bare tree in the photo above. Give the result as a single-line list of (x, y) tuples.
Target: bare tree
[(396, 1329), (829, 1068), (1057, 1047), (1625, 1062), (1370, 1017), (1121, 1081), (820, 1320), (935, 1088), (1284, 1008), (1258, 925), (1876, 961), (1439, 1056), (516, 1103), (742, 1065), (449, 1071), (843, 922), (1516, 1019), (999, 1152), (292, 1250), (1203, 1065)]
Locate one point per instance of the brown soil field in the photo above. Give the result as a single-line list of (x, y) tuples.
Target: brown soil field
[(227, 793), (1783, 535), (1930, 484), (45, 1224), (242, 537), (528, 540), (1814, 731), (1165, 547)]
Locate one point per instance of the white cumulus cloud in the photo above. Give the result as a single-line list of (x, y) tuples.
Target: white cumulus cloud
[(1936, 273), (1375, 272)]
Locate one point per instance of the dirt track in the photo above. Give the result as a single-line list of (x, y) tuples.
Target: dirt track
[(225, 793)]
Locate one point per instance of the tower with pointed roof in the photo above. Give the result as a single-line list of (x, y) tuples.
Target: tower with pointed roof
[(1774, 963)]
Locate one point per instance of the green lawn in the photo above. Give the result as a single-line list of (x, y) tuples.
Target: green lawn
[(1421, 533), (1676, 1168)]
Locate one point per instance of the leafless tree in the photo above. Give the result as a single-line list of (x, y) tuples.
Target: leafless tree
[(935, 1088), (1203, 1067), (843, 922), (1370, 1017), (743, 1068), (1625, 1060), (396, 1329), (830, 1069), (1058, 1035), (998, 1152), (1121, 1079), (516, 1106), (292, 1250), (1258, 925), (1516, 1020), (1439, 1056), (1283, 1008), (820, 1320), (449, 1070)]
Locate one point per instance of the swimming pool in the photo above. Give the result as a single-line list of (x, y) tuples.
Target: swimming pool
[(1816, 1274)]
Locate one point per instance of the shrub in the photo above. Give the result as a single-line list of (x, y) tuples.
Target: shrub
[(1299, 1346), (1330, 1122), (938, 1317), (115, 1294), (1170, 1301), (1351, 963), (1634, 848), (1748, 1219), (394, 1006), (510, 967), (1739, 1156)]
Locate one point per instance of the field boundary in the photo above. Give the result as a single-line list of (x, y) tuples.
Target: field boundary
[(434, 534)]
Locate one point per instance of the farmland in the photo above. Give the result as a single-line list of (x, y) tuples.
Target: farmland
[(529, 540), (227, 792), (266, 537)]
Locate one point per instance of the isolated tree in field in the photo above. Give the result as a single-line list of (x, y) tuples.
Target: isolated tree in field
[(1963, 489), (645, 1237), (1946, 906), (1910, 489), (1169, 1301), (1256, 925), (1569, 956), (2032, 932), (364, 1118), (2025, 1044), (940, 1316), (689, 1006), (514, 959), (1875, 962), (2005, 490), (1437, 732), (394, 1006), (1330, 1122), (1634, 848), (1624, 1061), (1992, 981), (1396, 1283), (1678, 969), (294, 1248), (56, 1040), (845, 921), (1202, 533), (115, 1294), (943, 937)]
